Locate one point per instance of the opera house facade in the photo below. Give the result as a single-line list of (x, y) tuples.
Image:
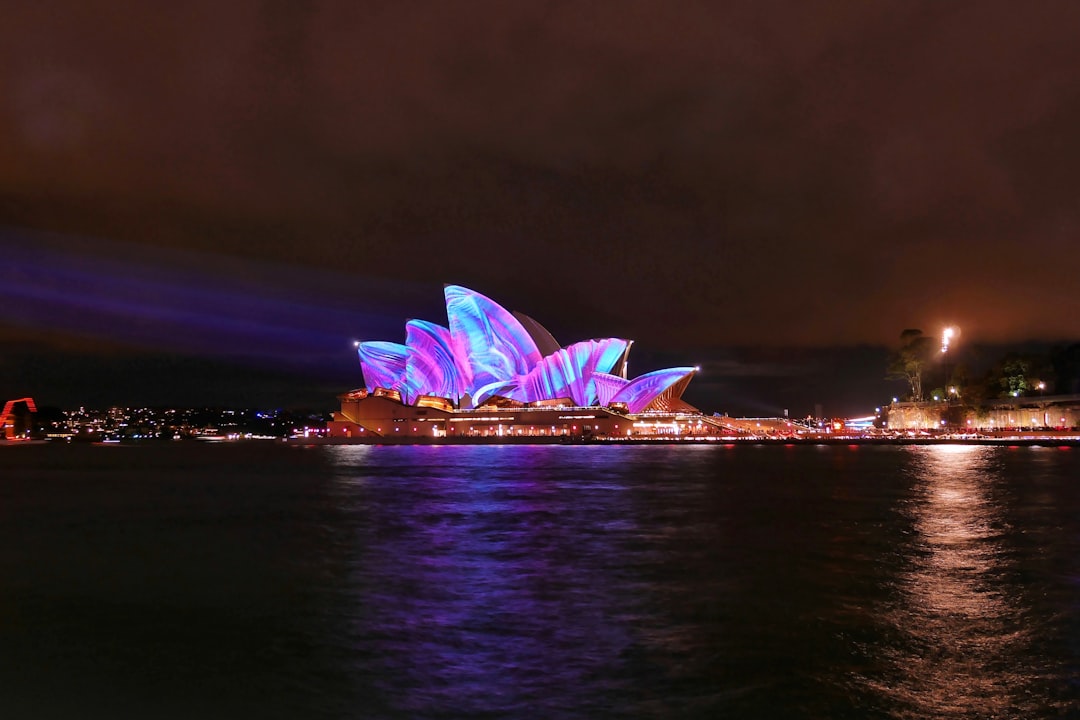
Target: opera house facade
[(493, 373)]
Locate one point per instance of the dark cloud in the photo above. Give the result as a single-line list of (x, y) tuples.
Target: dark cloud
[(694, 175)]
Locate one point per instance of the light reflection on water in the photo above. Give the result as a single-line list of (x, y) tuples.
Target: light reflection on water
[(555, 581), (539, 581), (963, 648), (493, 582)]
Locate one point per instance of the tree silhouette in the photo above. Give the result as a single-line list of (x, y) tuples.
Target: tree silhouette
[(907, 361)]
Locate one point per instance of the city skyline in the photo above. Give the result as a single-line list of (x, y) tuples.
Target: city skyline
[(213, 203)]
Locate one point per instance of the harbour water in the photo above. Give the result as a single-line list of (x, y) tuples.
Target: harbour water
[(261, 580)]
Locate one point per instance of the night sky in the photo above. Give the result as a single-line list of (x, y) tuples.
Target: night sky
[(208, 202)]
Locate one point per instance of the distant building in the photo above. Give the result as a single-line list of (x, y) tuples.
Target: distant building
[(493, 373), (1052, 412)]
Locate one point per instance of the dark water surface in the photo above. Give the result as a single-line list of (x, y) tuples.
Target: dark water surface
[(264, 581)]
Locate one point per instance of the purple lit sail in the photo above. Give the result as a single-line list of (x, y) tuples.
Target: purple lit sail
[(566, 373), (494, 343), (640, 392), (383, 364), (488, 352), (430, 366), (608, 356), (607, 386)]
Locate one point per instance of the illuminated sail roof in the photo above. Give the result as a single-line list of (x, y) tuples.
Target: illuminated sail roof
[(488, 352), (607, 386), (566, 373), (644, 391), (431, 366), (495, 343), (383, 364)]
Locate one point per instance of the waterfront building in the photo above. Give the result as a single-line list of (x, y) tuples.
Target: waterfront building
[(493, 373), (17, 419), (1060, 413)]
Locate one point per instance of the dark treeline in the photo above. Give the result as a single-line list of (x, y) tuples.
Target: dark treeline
[(936, 371)]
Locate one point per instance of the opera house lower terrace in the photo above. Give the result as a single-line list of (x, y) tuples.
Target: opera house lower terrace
[(497, 374)]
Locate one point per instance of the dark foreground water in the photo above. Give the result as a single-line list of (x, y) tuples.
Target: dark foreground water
[(263, 581)]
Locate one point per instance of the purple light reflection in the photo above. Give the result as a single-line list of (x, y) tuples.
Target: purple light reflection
[(481, 581)]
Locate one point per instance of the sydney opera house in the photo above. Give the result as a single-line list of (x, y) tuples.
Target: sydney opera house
[(493, 373)]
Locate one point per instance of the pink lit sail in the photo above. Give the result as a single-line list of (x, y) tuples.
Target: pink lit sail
[(430, 366), (644, 389), (566, 373), (607, 356), (607, 386), (500, 388)]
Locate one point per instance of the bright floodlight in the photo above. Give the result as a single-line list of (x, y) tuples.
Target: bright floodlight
[(947, 335)]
